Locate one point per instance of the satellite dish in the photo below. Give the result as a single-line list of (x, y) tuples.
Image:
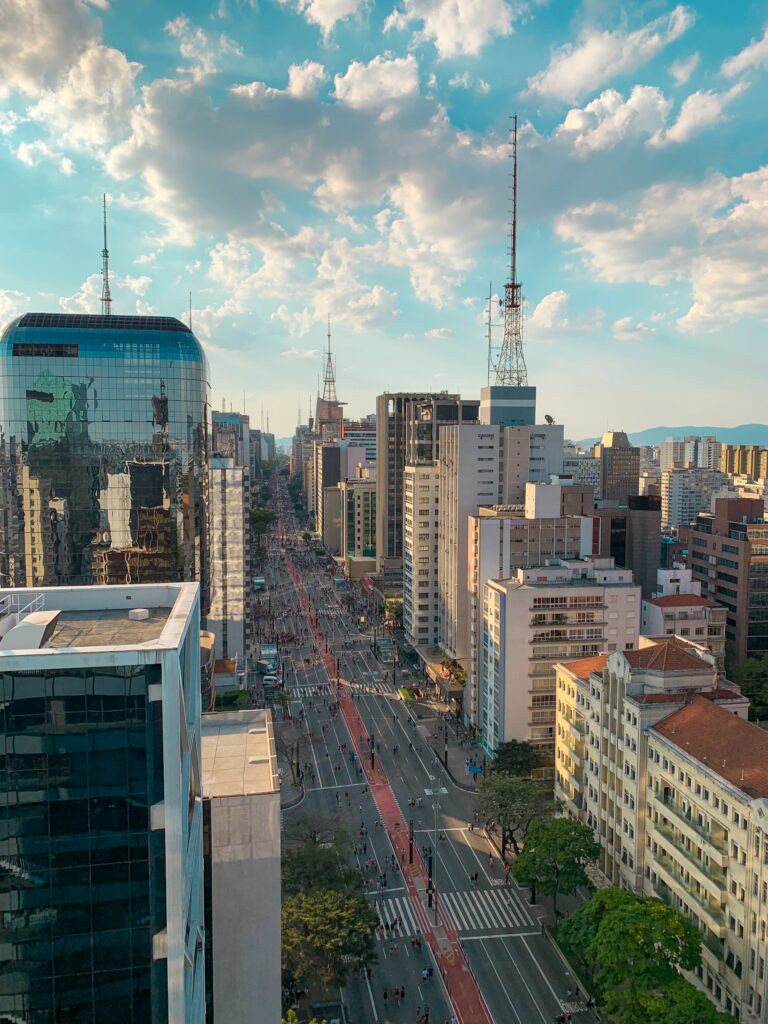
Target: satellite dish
[(550, 419)]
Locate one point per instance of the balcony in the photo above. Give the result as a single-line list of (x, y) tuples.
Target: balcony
[(716, 838), (709, 873), (575, 727), (677, 883)]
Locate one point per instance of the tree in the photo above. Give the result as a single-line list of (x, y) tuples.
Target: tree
[(327, 936), (311, 828), (555, 856), (292, 1018), (752, 676), (513, 803), (578, 932), (680, 1003), (516, 757), (393, 611), (311, 868)]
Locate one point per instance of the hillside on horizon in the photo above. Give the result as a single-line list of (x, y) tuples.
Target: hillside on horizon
[(746, 433)]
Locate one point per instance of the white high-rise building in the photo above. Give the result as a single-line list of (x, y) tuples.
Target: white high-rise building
[(560, 611), (101, 850), (421, 501), (230, 618), (686, 492)]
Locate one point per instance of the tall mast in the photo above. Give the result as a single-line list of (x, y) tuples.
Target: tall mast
[(489, 333), (106, 296), (510, 368), (329, 380)]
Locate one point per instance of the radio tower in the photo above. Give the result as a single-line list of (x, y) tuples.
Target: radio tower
[(329, 380), (510, 366), (106, 297)]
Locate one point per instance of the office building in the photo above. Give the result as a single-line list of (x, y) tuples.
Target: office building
[(101, 849), (727, 551), (103, 451), (691, 452), (686, 492), (407, 433), (619, 466), (563, 610), (656, 754), (241, 843), (231, 438), (362, 434), (501, 540), (677, 608), (505, 405), (231, 613), (630, 534), (421, 504), (358, 523), (745, 460), (581, 467)]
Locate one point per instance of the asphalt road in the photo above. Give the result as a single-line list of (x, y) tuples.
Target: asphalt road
[(520, 975)]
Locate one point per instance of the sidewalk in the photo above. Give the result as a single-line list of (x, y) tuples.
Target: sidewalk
[(460, 750)]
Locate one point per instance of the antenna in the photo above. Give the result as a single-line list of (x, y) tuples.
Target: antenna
[(488, 324), (329, 380), (298, 422), (510, 367), (190, 310), (106, 295)]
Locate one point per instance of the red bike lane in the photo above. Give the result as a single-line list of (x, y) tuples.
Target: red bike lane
[(464, 993)]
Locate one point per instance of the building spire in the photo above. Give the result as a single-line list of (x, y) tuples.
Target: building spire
[(510, 367), (106, 296), (329, 380)]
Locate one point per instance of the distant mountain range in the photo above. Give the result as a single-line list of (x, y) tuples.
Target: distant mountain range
[(747, 433)]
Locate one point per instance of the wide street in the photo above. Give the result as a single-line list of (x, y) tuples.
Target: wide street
[(519, 973)]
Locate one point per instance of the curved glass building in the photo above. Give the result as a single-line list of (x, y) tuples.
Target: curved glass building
[(103, 451)]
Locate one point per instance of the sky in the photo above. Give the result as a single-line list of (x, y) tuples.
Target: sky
[(286, 161)]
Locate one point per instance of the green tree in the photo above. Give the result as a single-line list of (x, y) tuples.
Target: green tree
[(516, 757), (578, 932), (292, 1018), (555, 855), (752, 676), (680, 1003), (310, 868), (327, 936), (513, 803), (393, 611)]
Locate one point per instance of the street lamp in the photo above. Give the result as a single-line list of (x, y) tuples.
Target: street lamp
[(436, 808)]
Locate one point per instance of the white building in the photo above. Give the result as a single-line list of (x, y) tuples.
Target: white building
[(230, 618), (678, 609), (567, 609), (241, 792), (501, 540), (686, 492), (358, 523), (581, 467), (421, 501), (100, 687)]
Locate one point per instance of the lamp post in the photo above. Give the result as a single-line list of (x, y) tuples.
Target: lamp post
[(436, 808)]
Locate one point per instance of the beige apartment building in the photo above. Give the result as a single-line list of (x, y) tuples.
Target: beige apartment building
[(421, 502), (655, 753)]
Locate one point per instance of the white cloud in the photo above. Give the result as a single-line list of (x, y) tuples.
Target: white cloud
[(39, 40), (699, 111), (300, 353), (464, 81), (12, 304), (549, 314), (608, 119), (66, 166), (87, 299), (627, 329), (709, 236), (575, 70), (439, 332), (325, 13), (681, 70), (9, 121), (381, 82), (455, 26), (146, 259), (90, 105), (305, 79), (752, 57), (202, 52), (33, 153)]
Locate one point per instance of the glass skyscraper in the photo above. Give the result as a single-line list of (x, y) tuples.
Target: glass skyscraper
[(103, 451)]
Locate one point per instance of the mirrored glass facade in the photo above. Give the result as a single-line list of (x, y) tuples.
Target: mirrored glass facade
[(103, 451)]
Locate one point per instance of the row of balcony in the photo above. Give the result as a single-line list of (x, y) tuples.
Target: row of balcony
[(711, 871)]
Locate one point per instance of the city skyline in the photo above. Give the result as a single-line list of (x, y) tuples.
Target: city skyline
[(305, 159)]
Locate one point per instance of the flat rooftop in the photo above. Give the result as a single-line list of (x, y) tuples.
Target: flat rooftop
[(238, 753), (108, 628)]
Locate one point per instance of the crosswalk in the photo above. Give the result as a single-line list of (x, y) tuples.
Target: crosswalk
[(477, 910), (480, 910), (310, 691)]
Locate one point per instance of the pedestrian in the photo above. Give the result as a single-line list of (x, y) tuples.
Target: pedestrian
[(490, 857), (402, 993)]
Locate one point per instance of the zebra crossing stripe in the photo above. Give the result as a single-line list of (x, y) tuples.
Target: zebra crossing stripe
[(485, 910), (504, 908), (389, 911), (456, 912)]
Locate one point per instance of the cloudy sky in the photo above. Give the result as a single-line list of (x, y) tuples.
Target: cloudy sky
[(286, 160)]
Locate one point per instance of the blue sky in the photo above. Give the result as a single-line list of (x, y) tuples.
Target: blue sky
[(286, 160)]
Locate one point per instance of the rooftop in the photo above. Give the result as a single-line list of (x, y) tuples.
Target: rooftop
[(107, 628), (721, 693), (583, 668), (682, 601), (729, 746), (667, 654), (238, 753), (94, 321)]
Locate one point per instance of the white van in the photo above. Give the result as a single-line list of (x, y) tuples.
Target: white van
[(270, 680)]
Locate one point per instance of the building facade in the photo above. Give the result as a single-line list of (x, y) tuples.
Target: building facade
[(677, 608), (101, 849), (569, 609), (421, 598), (630, 534), (231, 615), (103, 451), (619, 466), (686, 492), (358, 524)]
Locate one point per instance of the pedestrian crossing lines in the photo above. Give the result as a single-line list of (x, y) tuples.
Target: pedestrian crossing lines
[(486, 910), (398, 913), (310, 691)]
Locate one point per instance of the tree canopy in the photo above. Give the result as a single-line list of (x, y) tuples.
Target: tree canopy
[(309, 868), (752, 676), (327, 936), (555, 855), (680, 1003), (513, 803), (516, 757)]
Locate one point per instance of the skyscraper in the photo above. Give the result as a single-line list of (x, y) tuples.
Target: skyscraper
[(101, 852), (103, 451), (619, 466)]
